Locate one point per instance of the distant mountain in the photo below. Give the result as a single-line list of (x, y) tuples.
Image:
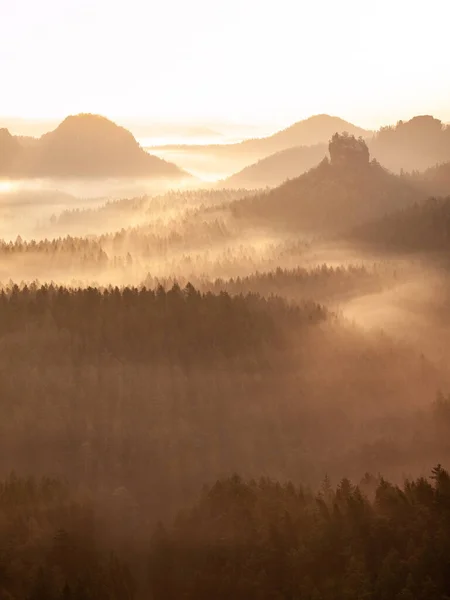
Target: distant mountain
[(422, 227), (277, 168), (312, 131), (84, 145), (417, 144), (341, 192)]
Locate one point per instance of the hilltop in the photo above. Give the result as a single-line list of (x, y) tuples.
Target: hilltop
[(342, 191), (83, 145)]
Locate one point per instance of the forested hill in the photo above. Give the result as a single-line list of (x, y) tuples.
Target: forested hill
[(346, 190), (83, 145)]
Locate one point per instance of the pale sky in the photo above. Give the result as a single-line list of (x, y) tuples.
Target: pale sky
[(276, 61)]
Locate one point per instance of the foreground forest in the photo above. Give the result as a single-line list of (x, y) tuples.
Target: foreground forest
[(255, 539), (155, 346)]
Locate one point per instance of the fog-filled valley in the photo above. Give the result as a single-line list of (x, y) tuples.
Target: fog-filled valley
[(159, 333)]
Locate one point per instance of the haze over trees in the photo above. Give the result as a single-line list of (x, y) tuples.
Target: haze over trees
[(224, 393)]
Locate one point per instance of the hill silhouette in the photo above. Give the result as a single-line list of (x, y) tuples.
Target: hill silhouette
[(346, 190), (411, 145), (83, 145)]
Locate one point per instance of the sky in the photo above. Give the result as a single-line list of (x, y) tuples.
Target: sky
[(255, 61)]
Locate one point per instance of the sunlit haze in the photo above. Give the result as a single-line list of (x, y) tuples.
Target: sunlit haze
[(242, 60)]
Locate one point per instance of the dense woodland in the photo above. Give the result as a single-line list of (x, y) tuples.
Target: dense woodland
[(255, 539), (263, 539)]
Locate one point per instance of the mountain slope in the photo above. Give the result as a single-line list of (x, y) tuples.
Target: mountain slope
[(276, 168), (336, 194), (87, 145)]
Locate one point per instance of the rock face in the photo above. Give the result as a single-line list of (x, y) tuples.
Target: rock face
[(88, 145), (347, 151)]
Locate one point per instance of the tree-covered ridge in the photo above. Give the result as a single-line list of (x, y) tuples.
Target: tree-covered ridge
[(141, 324), (322, 283), (262, 539), (423, 227), (57, 246)]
